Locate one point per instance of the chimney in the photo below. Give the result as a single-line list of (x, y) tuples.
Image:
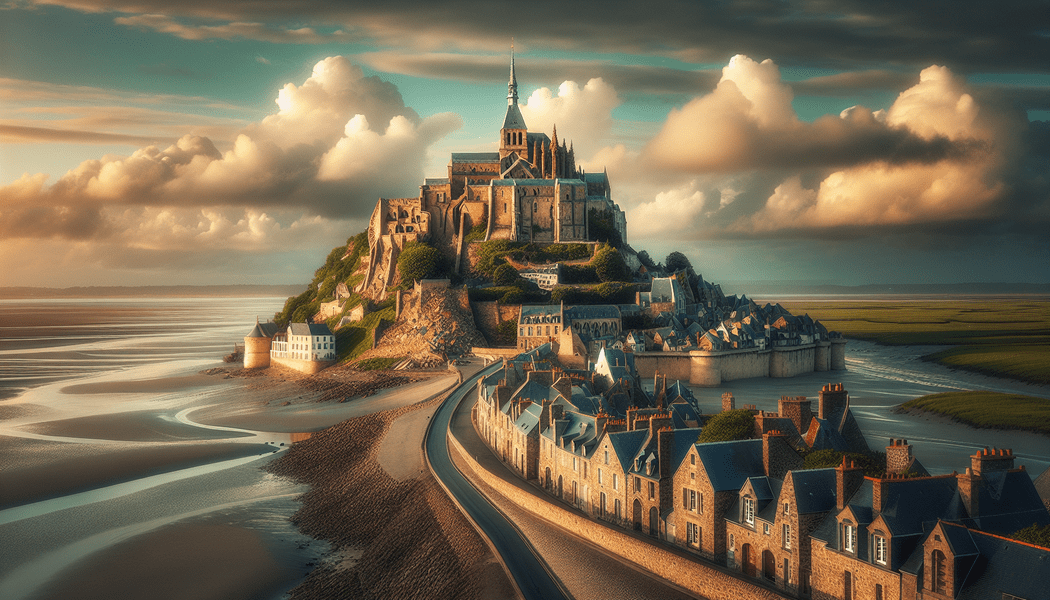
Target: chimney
[(778, 457), (970, 491), (632, 415), (996, 459), (832, 397), (898, 456), (545, 415), (600, 420), (557, 412), (847, 479), (665, 449), (799, 410), (728, 403), (615, 425)]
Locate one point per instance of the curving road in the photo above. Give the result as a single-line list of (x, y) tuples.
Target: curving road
[(529, 573)]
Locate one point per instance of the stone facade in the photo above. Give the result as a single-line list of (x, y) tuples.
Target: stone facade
[(530, 189)]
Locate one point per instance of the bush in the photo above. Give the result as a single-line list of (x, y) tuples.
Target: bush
[(1034, 534), (578, 274), (507, 333), (601, 228), (609, 265), (505, 275), (728, 426), (676, 261), (514, 296), (418, 261), (874, 464)]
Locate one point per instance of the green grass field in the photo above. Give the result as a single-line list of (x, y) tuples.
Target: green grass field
[(988, 409), (1008, 337)]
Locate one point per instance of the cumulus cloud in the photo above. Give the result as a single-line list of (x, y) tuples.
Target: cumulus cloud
[(335, 143), (584, 113)]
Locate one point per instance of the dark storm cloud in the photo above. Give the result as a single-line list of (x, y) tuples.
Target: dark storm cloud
[(970, 36)]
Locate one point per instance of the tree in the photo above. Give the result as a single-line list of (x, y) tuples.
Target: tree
[(609, 265), (505, 274), (676, 261), (418, 261), (601, 228), (728, 426), (643, 257)]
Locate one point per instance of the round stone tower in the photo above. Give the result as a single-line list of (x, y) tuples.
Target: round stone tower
[(257, 348)]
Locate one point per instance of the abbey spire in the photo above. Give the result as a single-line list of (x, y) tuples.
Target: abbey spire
[(512, 85), (514, 133)]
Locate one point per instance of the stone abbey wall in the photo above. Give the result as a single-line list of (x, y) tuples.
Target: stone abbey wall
[(710, 369), (309, 367), (672, 565)]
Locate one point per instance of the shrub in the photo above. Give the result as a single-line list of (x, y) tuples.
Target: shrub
[(505, 275), (609, 265), (727, 426), (874, 464), (514, 296), (507, 333), (418, 261), (1034, 534), (676, 261)]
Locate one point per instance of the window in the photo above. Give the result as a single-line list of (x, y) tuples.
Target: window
[(616, 510), (652, 490), (602, 503), (786, 532), (880, 549), (530, 331), (849, 538), (574, 467), (847, 585), (765, 528), (878, 591), (692, 500), (615, 481), (692, 534), (692, 459), (732, 546), (701, 504), (585, 470), (785, 508), (749, 511), (637, 484), (599, 476), (606, 457)]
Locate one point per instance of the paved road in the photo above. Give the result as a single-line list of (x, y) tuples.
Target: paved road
[(529, 573)]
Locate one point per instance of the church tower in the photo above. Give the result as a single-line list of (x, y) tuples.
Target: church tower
[(513, 135)]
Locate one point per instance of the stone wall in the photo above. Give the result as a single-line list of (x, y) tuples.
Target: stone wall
[(789, 363), (673, 566), (309, 367), (488, 315), (828, 576), (710, 369)]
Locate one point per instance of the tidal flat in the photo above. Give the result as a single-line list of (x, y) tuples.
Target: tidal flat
[(1006, 336)]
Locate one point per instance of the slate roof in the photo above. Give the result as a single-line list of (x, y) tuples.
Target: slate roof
[(596, 311), (728, 464), (261, 330), (907, 504), (1001, 566), (1009, 501), (814, 490), (529, 419), (626, 444), (475, 157), (308, 329), (513, 120)]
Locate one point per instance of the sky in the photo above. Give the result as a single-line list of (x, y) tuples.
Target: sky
[(146, 142)]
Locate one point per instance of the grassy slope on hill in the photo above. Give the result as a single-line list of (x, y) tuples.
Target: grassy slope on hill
[(1007, 337), (988, 409)]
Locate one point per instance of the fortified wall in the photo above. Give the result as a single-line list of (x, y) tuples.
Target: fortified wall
[(710, 369)]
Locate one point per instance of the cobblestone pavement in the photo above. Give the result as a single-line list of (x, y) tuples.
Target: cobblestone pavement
[(586, 570)]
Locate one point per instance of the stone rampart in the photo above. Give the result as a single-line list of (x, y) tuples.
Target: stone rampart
[(666, 563), (792, 361), (309, 367), (710, 369)]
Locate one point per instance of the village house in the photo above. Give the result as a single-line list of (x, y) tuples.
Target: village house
[(306, 347)]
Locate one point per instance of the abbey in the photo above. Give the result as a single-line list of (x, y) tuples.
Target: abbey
[(529, 190)]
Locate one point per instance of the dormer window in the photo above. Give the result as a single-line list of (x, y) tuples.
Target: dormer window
[(749, 511), (849, 537), (880, 549)]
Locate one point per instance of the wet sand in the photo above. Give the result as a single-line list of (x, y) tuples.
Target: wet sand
[(45, 469), (141, 426), (203, 561), (144, 386)]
